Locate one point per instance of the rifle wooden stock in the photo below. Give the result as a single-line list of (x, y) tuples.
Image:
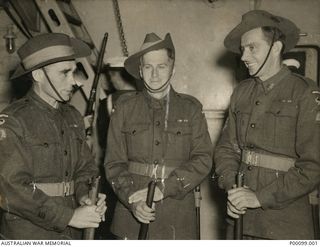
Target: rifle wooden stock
[(238, 227), (93, 92), (93, 195), (145, 227)]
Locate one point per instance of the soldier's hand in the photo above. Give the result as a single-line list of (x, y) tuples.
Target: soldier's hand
[(85, 200), (87, 121), (85, 217), (141, 195), (101, 204), (142, 212), (233, 212), (243, 198)]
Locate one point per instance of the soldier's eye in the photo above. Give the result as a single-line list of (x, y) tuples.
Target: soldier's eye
[(162, 66)]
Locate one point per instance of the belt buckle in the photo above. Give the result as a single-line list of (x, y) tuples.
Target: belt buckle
[(252, 158), (154, 171), (66, 188)]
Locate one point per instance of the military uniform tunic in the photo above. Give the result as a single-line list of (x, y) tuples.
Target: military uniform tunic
[(41, 144), (281, 117), (138, 133)]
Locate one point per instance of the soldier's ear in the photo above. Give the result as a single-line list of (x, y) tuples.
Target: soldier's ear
[(140, 71), (277, 46), (37, 75)]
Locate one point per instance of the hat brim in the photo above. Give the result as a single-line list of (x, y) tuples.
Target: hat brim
[(81, 49), (132, 63), (233, 40)]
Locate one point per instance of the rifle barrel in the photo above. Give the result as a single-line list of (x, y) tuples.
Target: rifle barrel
[(238, 227), (93, 195), (92, 97), (145, 227)]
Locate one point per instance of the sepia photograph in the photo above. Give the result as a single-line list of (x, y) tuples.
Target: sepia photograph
[(159, 120)]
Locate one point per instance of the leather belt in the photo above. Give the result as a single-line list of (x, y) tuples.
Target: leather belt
[(274, 162), (56, 189), (150, 170)]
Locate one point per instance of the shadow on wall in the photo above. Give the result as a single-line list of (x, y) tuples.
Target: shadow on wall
[(20, 86), (233, 63)]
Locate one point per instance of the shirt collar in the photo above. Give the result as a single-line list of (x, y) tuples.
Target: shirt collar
[(41, 103), (270, 83), (156, 103)]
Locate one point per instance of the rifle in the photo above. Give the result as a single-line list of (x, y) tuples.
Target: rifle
[(314, 198), (93, 92), (145, 227), (238, 227), (198, 198), (93, 195)]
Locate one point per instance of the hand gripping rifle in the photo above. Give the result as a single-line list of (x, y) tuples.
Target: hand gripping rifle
[(238, 227), (93, 195), (145, 227), (93, 92)]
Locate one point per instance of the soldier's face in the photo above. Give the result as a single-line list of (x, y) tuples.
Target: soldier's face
[(156, 68), (255, 48), (61, 75)]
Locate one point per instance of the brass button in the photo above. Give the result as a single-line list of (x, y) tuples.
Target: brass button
[(252, 125), (42, 215), (258, 102), (250, 167), (157, 142)]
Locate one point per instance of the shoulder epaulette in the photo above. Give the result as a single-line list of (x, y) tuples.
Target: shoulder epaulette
[(190, 99), (16, 106), (123, 98), (308, 82)]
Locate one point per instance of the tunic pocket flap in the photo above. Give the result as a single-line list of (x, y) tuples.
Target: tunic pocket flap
[(135, 128), (283, 110), (180, 130), (41, 141)]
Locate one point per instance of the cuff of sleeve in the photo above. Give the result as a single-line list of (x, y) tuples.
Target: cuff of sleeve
[(226, 183), (265, 199), (170, 187), (81, 190), (61, 222)]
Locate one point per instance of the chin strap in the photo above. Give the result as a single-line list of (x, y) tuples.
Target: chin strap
[(157, 90), (265, 60), (54, 89), (163, 87)]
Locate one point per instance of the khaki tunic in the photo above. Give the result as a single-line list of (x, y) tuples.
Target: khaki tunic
[(280, 116), (137, 134), (40, 144)]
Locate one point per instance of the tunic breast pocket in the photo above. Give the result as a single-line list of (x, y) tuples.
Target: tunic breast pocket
[(179, 142), (44, 153), (137, 138), (77, 139), (281, 120), (242, 120)]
